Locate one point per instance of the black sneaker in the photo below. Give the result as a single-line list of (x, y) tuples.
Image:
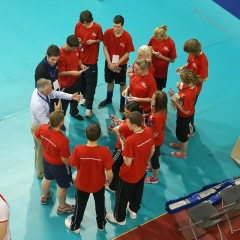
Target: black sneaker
[(104, 103), (122, 108), (101, 225), (78, 117), (63, 128)]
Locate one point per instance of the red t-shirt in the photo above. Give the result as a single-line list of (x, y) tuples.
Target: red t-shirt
[(91, 163), (68, 61), (118, 45), (157, 123), (143, 87), (90, 52), (138, 147), (188, 97), (55, 144), (167, 49), (125, 132), (199, 65)]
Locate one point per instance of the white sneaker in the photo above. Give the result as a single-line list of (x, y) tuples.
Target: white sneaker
[(111, 218), (83, 101), (109, 189), (68, 223), (133, 215), (88, 113)]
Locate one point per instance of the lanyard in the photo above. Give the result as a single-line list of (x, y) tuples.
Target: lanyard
[(115, 44), (52, 72), (132, 85), (46, 100)]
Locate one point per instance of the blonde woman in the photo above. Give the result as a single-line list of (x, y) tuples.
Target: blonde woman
[(144, 52), (164, 52), (141, 86)]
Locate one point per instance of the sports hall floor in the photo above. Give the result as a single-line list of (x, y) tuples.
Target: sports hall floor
[(29, 27)]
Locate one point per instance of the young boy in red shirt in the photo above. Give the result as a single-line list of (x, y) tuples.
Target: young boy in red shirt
[(69, 70), (117, 45), (91, 162), (56, 155), (138, 149)]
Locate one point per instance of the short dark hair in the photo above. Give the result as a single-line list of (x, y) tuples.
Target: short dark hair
[(93, 132), (133, 106), (135, 118), (53, 50), (55, 118), (118, 19), (72, 41), (85, 16)]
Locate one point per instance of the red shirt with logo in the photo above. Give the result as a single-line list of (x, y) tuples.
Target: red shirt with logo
[(142, 87), (118, 45), (167, 49), (55, 144), (138, 146), (91, 163), (90, 52), (157, 122), (188, 97), (125, 132), (199, 64), (68, 61)]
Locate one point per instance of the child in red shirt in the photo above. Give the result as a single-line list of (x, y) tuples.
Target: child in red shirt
[(197, 61), (122, 133), (157, 121), (56, 155), (138, 149), (91, 162), (185, 111)]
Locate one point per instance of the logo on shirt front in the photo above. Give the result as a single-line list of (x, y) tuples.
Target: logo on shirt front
[(77, 54), (194, 65), (94, 34), (166, 49), (122, 44), (144, 85)]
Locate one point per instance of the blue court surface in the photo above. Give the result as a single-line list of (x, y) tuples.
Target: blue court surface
[(29, 27)]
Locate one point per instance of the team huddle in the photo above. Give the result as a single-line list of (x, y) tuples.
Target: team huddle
[(68, 75)]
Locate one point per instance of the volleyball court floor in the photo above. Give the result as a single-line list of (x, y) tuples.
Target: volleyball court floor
[(29, 27)]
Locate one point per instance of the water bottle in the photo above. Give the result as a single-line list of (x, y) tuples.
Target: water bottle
[(129, 69)]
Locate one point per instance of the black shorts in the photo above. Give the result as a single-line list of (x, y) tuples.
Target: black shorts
[(161, 83), (61, 173), (120, 78), (155, 158), (184, 127)]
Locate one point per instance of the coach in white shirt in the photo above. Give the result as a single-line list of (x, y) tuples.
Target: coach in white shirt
[(40, 110)]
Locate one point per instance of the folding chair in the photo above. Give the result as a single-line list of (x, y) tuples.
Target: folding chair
[(231, 197), (204, 215)]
